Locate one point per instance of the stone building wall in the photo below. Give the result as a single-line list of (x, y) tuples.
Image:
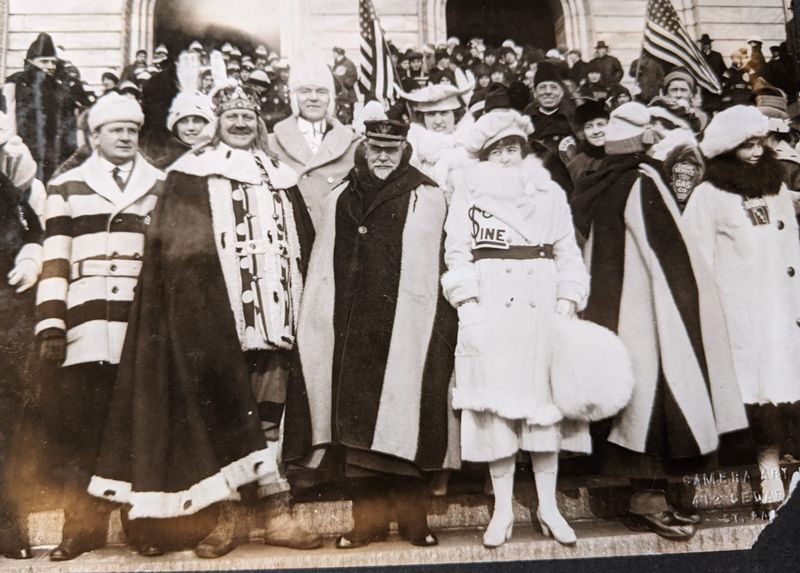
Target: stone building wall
[(101, 34)]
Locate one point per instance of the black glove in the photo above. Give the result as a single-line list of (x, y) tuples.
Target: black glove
[(53, 345)]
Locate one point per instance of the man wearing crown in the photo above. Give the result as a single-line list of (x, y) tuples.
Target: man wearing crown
[(198, 405)]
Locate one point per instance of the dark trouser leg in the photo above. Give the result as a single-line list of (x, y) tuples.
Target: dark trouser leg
[(83, 398), (412, 516), (371, 508), (13, 530)]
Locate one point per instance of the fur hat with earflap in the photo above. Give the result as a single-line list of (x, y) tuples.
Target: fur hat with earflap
[(312, 73), (731, 127)]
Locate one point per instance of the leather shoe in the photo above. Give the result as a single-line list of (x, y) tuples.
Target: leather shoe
[(19, 553), (150, 550), (353, 539), (667, 526), (690, 517), (71, 548)]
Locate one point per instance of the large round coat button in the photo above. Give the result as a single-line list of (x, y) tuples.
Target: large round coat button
[(508, 304), (790, 271), (362, 230), (113, 268), (114, 290), (508, 269), (780, 225)]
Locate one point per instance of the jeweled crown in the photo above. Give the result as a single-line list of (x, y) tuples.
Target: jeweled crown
[(235, 97)]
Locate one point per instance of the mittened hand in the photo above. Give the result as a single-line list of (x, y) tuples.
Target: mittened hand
[(24, 275), (565, 308), (54, 348)]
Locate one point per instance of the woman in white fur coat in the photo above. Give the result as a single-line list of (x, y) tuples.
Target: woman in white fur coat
[(743, 221), (513, 263)]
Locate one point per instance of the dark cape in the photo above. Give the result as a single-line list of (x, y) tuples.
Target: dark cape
[(598, 207), (45, 118), (376, 337), (686, 395), (183, 416)]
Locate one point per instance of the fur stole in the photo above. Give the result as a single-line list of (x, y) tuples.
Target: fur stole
[(734, 176)]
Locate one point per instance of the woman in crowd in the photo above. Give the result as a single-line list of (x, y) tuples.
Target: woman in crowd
[(438, 113), (512, 265), (189, 113), (743, 222), (590, 120)]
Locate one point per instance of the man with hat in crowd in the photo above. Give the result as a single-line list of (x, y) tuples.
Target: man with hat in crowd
[(677, 101), (345, 75), (416, 71), (261, 57), (312, 141), (576, 65), (278, 104), (229, 243), (259, 81), (160, 56), (376, 341), (552, 140), (41, 108), (95, 219), (771, 102), (711, 101), (609, 65), (139, 63)]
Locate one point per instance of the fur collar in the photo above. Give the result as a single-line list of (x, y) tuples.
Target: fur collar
[(729, 174), (235, 164)]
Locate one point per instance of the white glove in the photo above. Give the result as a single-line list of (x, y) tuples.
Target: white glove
[(565, 308), (24, 275)]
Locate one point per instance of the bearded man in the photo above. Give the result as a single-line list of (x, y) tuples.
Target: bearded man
[(376, 341), (202, 380)]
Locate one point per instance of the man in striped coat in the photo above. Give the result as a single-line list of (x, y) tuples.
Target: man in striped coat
[(95, 218)]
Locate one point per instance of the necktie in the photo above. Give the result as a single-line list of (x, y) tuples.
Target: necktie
[(116, 173)]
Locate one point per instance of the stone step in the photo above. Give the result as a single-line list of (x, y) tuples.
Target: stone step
[(466, 506), (721, 531)]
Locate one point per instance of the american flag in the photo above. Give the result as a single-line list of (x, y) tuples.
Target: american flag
[(376, 78), (666, 39)]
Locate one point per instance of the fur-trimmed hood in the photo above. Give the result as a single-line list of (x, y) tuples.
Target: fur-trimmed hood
[(740, 178), (235, 164)]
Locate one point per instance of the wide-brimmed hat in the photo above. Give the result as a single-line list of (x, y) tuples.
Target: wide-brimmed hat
[(601, 44), (436, 97)]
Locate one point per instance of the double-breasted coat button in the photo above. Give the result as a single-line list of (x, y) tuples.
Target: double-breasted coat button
[(780, 225), (113, 268), (790, 271), (362, 230), (508, 304), (114, 290), (330, 179), (532, 305), (530, 271), (508, 269), (114, 255)]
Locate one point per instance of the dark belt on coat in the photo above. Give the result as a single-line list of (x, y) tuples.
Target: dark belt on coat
[(520, 252)]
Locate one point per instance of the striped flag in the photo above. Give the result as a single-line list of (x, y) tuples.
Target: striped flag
[(377, 77), (666, 39)]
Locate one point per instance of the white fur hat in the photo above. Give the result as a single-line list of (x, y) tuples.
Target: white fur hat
[(731, 127), (114, 107), (187, 104), (312, 73), (494, 126)]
